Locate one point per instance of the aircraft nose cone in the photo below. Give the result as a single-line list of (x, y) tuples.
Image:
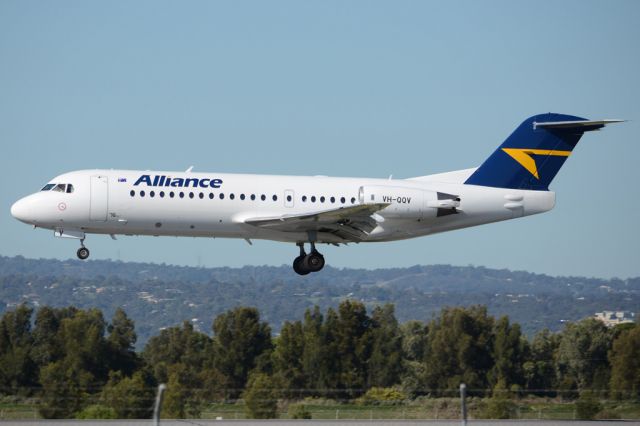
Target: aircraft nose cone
[(20, 210)]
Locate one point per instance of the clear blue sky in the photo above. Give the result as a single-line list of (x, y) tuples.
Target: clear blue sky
[(357, 88)]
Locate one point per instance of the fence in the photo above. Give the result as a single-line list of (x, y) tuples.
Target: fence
[(507, 405)]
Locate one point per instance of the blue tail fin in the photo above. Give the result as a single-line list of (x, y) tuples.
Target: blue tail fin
[(532, 156)]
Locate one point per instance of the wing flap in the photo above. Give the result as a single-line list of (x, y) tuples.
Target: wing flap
[(352, 223)]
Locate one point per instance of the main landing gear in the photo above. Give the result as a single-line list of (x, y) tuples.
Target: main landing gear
[(83, 252), (306, 263)]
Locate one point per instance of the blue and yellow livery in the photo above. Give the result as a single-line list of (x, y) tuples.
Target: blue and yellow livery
[(532, 156)]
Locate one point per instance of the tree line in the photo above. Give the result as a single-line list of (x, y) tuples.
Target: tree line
[(75, 361)]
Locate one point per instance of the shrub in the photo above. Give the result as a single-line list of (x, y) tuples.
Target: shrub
[(587, 406), (382, 396), (96, 412), (499, 408), (299, 411)]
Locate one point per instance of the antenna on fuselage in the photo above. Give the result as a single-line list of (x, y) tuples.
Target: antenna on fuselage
[(189, 169)]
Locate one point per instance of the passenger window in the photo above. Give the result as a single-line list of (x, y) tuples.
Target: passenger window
[(221, 196), (353, 200), (171, 194), (69, 189), (232, 196), (242, 196), (289, 198), (304, 198), (152, 194), (211, 195), (182, 195), (201, 195), (48, 187), (322, 199), (161, 194), (142, 193), (263, 197), (333, 200), (313, 198), (253, 197), (132, 193), (342, 200), (191, 195), (274, 198)]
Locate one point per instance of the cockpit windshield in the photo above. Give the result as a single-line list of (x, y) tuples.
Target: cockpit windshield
[(58, 187)]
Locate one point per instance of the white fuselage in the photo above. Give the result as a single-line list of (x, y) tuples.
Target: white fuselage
[(219, 204)]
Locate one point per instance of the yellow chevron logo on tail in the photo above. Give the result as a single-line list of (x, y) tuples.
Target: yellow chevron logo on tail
[(524, 157)]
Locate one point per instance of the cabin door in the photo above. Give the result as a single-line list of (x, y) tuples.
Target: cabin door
[(99, 198)]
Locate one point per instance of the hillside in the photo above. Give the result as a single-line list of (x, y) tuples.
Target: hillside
[(157, 295)]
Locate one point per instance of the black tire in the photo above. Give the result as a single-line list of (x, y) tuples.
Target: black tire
[(83, 253), (298, 266), (314, 262)]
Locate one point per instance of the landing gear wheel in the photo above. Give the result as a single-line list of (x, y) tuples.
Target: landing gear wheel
[(314, 261), (298, 266), (83, 253)]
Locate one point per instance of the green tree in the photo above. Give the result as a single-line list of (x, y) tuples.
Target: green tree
[(353, 347), (508, 355), (414, 342), (122, 339), (182, 397), (385, 362), (288, 358), (582, 355), (261, 397), (65, 390), (69, 382), (319, 349), (459, 349), (47, 347), (129, 397), (17, 368), (625, 364), (240, 339), (540, 367), (180, 344)]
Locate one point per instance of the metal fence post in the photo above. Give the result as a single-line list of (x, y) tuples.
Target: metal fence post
[(158, 405), (463, 403)]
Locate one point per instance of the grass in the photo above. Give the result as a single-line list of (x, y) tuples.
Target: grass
[(422, 408)]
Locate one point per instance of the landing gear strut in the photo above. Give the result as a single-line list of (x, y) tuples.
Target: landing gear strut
[(306, 263), (83, 252)]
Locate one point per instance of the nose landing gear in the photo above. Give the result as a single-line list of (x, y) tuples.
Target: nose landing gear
[(83, 252), (307, 263)]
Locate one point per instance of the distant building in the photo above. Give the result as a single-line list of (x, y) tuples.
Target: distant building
[(611, 318)]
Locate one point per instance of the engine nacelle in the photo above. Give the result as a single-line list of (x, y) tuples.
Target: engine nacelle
[(409, 203)]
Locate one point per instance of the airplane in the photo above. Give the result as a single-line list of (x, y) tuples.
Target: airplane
[(513, 182)]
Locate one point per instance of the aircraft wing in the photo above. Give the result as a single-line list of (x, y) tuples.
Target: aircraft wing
[(352, 223)]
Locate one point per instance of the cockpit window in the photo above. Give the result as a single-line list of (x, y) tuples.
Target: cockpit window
[(58, 187)]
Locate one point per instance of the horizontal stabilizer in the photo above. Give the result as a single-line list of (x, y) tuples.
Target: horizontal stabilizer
[(582, 125)]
